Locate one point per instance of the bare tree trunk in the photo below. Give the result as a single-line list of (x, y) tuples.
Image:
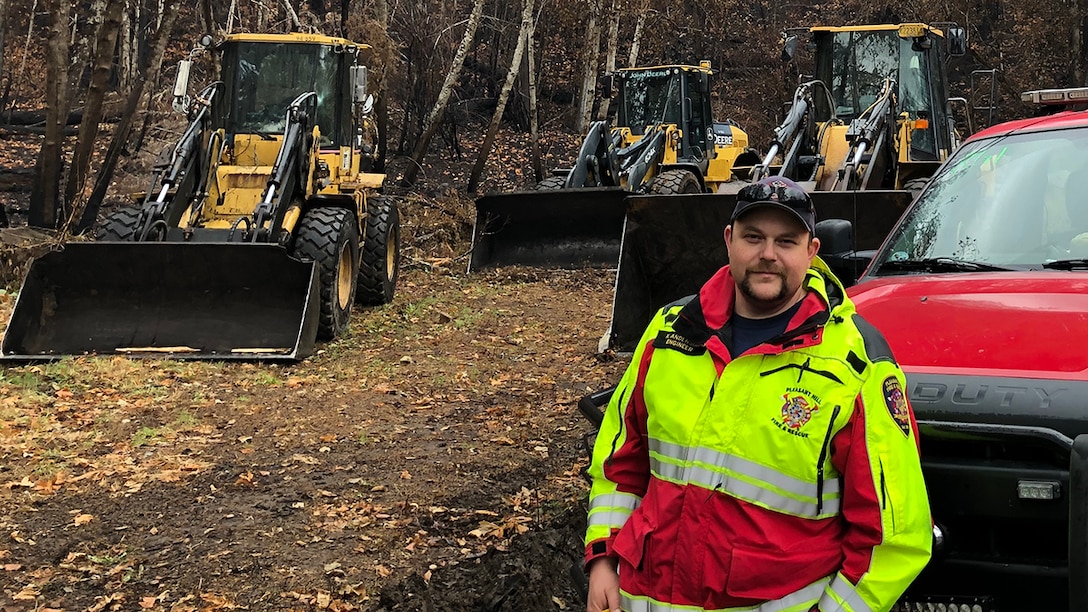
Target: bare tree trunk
[(127, 53), (636, 38), (1079, 24), (230, 16), (615, 9), (207, 19), (435, 116), (504, 95), (121, 132), (3, 38), (291, 13), (534, 120), (81, 44), (381, 108), (589, 66), (45, 197), (26, 45), (105, 42)]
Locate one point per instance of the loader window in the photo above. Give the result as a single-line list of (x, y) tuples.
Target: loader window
[(916, 98), (649, 97), (266, 77), (854, 65)]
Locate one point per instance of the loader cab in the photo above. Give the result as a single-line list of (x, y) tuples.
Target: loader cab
[(677, 95), (263, 74), (855, 61)]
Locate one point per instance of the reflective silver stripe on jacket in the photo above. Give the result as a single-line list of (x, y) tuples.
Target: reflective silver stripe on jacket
[(612, 509), (848, 593), (732, 475), (797, 601)]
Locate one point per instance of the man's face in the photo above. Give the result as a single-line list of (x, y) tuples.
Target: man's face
[(770, 251)]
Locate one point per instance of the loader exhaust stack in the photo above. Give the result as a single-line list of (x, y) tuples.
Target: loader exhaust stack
[(164, 299)]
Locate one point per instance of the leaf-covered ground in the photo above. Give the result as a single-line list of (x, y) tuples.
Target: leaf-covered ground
[(428, 460)]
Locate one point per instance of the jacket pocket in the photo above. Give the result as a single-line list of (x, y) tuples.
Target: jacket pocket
[(631, 542), (768, 575)]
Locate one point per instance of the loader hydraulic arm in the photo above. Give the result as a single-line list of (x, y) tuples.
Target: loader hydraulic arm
[(152, 221), (595, 166), (285, 169), (792, 135), (866, 135)]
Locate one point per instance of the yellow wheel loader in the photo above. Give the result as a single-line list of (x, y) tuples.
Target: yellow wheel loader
[(261, 228), (664, 141), (862, 136)]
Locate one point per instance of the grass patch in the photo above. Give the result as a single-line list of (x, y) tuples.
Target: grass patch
[(145, 436)]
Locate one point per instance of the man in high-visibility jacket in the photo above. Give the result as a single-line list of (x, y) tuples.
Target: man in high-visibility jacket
[(759, 453)]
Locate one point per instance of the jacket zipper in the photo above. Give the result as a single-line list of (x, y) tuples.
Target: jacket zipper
[(884, 491), (823, 456), (619, 432)]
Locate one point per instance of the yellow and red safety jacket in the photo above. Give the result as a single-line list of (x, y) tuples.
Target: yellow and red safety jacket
[(784, 478)]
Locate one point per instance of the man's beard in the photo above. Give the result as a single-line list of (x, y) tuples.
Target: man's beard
[(749, 292)]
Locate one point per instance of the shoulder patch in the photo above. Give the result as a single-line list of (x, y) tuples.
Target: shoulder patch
[(876, 347), (896, 401), (677, 342)]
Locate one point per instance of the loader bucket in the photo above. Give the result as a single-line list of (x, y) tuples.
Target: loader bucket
[(672, 244), (165, 299), (555, 228)]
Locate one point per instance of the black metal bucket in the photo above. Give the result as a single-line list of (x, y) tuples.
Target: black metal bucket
[(558, 228), (166, 299)]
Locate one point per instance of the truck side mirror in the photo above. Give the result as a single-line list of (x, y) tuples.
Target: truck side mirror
[(358, 84), (789, 48), (957, 41)]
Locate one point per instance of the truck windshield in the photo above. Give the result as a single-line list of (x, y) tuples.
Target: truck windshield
[(650, 97), (269, 76), (1016, 202)]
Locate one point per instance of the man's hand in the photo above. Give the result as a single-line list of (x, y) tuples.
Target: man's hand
[(604, 586)]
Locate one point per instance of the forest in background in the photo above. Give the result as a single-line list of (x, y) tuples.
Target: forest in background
[(109, 66)]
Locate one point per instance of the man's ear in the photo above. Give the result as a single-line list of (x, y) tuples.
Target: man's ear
[(813, 247), (728, 235)]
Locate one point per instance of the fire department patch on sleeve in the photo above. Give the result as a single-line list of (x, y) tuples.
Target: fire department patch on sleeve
[(896, 401)]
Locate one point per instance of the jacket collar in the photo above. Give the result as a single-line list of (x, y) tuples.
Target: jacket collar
[(707, 313)]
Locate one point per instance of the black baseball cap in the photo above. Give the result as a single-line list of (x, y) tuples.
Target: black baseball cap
[(777, 191)]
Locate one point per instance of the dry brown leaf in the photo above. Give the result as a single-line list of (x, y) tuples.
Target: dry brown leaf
[(82, 519), (12, 567)]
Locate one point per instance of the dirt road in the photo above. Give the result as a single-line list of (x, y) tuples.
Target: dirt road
[(428, 460)]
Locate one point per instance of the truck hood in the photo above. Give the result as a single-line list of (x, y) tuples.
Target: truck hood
[(1024, 324)]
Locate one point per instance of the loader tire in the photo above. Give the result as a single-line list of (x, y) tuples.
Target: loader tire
[(120, 225), (327, 236), (552, 182), (674, 181), (381, 252), (915, 187)]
